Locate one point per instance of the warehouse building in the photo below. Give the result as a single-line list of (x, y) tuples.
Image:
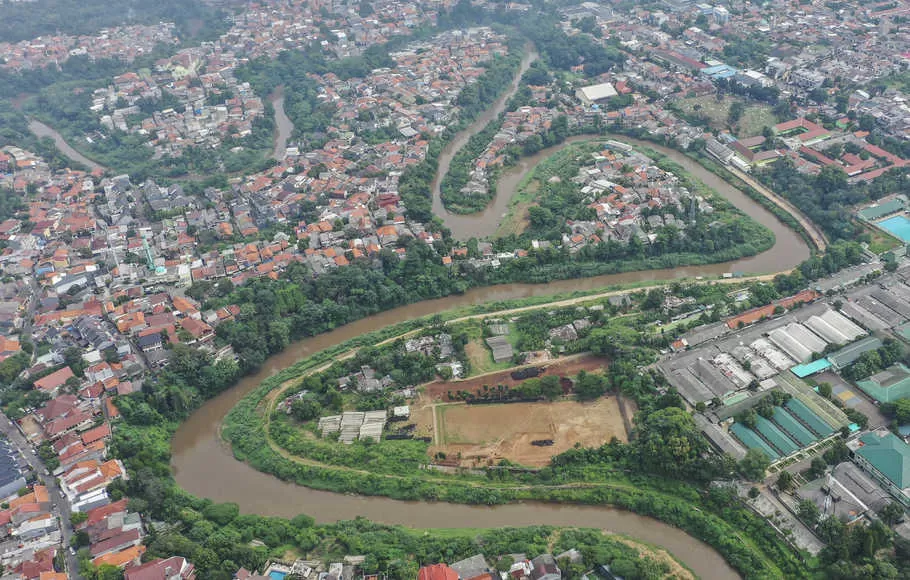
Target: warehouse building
[(786, 342), (720, 438), (834, 327), (595, 94), (791, 428), (848, 355)]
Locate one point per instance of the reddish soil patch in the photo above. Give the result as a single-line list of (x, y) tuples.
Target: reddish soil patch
[(479, 435), (570, 366)]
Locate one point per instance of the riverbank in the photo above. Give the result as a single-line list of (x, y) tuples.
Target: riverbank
[(42, 130), (509, 182), (200, 459), (204, 466)]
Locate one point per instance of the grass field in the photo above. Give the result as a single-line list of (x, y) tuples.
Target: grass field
[(516, 220), (752, 122), (479, 434), (481, 359), (881, 242)]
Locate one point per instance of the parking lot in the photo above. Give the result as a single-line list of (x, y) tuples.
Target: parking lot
[(853, 398)]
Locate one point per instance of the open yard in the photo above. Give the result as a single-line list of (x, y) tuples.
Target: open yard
[(881, 242), (481, 359), (483, 434), (754, 119)]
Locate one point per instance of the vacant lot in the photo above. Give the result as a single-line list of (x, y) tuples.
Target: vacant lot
[(481, 359), (483, 434), (754, 119)]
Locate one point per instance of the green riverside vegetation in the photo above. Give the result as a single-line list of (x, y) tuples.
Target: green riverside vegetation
[(580, 476)]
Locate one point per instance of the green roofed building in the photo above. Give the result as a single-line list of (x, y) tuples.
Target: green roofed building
[(848, 355), (887, 458), (875, 212), (889, 385)]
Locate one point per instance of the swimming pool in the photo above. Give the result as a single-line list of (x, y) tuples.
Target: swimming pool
[(276, 575), (898, 225)]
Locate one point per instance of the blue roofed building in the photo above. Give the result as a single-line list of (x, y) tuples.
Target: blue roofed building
[(721, 71)]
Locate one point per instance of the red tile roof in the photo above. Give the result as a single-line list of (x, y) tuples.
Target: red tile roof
[(54, 380), (437, 572), (99, 432)]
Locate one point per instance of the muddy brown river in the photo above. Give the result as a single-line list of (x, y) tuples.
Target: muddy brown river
[(283, 124), (203, 463), (42, 130), (477, 224)]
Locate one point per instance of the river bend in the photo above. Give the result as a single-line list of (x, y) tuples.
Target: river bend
[(204, 465)]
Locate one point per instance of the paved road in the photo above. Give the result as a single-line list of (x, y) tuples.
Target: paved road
[(33, 301), (61, 504)]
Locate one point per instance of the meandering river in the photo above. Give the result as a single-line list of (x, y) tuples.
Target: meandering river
[(42, 130), (203, 463), (477, 225), (284, 126)]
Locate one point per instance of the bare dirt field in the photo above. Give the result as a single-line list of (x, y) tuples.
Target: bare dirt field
[(564, 367), (482, 434), (31, 427)]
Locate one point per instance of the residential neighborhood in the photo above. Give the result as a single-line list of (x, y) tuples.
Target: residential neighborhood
[(184, 165)]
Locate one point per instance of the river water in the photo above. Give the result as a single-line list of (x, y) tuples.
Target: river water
[(42, 130), (477, 224), (203, 463), (282, 122)]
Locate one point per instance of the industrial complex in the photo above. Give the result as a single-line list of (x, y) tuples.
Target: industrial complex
[(754, 380)]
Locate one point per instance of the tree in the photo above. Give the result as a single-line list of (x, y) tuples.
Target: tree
[(831, 178), (669, 443), (754, 464), (306, 409), (808, 512), (72, 385), (899, 410), (108, 572), (589, 386), (891, 513), (824, 389), (550, 387), (80, 539), (221, 513), (736, 112), (72, 357), (785, 481), (817, 468)]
